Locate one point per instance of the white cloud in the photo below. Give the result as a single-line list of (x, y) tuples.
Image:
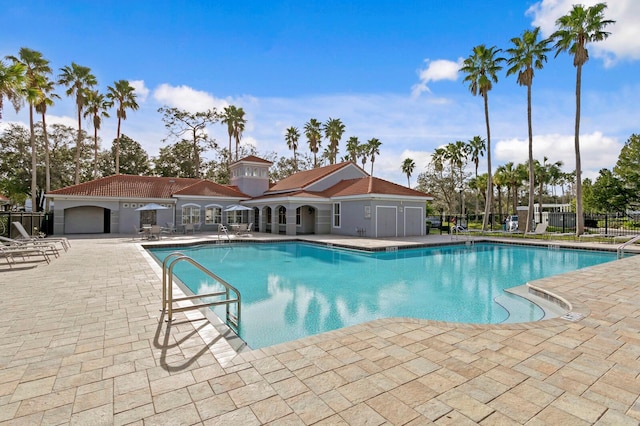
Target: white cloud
[(141, 91), (186, 98), (596, 151), (624, 41), (439, 69)]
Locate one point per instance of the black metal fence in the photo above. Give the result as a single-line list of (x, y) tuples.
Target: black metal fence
[(32, 222), (613, 224)]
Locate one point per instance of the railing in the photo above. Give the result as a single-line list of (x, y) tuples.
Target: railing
[(167, 291), (622, 246)]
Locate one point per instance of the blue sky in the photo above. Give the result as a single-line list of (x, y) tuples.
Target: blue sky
[(387, 69)]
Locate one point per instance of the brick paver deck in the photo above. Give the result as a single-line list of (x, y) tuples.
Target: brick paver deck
[(82, 342)]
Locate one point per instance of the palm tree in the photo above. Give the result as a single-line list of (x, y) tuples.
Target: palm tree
[(12, 78), (233, 117), (362, 153), (313, 134), (544, 174), (353, 148), (333, 130), (373, 149), (97, 106), (291, 137), (581, 26), (408, 166), (45, 101), (124, 95), (476, 147), (528, 53), (481, 70), (78, 79), (456, 154), (36, 69)]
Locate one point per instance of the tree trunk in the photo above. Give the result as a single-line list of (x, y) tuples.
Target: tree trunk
[(34, 162), (95, 151), (78, 145), (118, 149), (488, 208), (579, 215), (47, 162), (532, 183)]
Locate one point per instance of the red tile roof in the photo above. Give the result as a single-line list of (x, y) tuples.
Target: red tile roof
[(254, 159), (129, 186), (305, 178), (370, 185)]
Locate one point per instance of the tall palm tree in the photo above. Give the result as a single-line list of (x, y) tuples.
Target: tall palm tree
[(36, 70), (373, 149), (476, 147), (362, 153), (481, 69), (353, 148), (227, 118), (233, 117), (46, 100), (333, 130), (77, 79), (291, 137), (408, 166), (545, 173), (97, 106), (124, 96), (576, 29), (456, 154), (12, 78), (313, 133), (238, 128), (499, 180), (527, 54)]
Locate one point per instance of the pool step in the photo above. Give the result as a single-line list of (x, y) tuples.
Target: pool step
[(520, 309)]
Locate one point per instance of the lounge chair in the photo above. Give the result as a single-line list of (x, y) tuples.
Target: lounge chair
[(10, 253), (541, 229), (25, 235), (38, 243), (171, 228)]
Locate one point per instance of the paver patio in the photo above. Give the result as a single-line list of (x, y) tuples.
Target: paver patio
[(82, 341)]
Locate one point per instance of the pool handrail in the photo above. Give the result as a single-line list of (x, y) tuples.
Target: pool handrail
[(167, 291), (621, 247)]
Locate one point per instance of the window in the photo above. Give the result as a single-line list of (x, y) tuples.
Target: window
[(336, 215), (282, 215), (190, 214), (298, 218), (212, 215), (237, 217)]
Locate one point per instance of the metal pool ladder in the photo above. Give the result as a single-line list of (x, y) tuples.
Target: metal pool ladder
[(167, 291), (622, 246)]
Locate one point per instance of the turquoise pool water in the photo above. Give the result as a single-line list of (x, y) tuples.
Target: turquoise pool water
[(291, 290)]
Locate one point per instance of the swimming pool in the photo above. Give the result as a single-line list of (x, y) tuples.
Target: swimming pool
[(293, 289)]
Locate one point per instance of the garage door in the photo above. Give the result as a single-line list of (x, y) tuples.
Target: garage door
[(84, 220), (386, 222)]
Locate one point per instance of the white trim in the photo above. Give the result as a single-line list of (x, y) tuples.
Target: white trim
[(333, 215), (191, 205), (125, 205)]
